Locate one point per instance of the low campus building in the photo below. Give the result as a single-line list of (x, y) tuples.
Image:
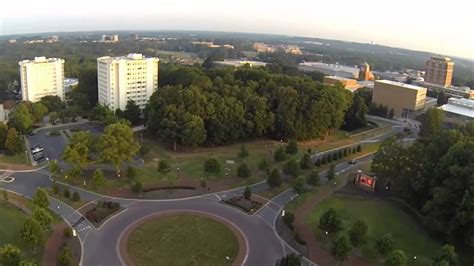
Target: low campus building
[(239, 63), (348, 84), (406, 100), (458, 111)]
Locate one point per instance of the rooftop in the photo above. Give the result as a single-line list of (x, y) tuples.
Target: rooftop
[(240, 63), (400, 84), (464, 107), (40, 59), (131, 56), (338, 78)]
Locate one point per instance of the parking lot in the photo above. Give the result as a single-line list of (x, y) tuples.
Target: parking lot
[(54, 145)]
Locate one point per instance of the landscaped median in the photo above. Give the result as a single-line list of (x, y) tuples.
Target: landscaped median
[(182, 238)]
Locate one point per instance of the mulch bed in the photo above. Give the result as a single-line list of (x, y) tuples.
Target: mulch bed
[(55, 242), (110, 212), (247, 205)]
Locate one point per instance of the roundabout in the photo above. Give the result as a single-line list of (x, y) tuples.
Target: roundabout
[(182, 238)]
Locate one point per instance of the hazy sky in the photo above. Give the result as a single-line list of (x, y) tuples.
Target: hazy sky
[(435, 26)]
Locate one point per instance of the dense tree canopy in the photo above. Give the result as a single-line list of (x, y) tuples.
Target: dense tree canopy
[(218, 106), (435, 176)]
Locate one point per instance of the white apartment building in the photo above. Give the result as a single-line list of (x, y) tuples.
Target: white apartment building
[(132, 77), (42, 77)]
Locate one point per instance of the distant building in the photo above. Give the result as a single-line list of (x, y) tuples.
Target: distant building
[(261, 47), (212, 45), (42, 77), (458, 111), (110, 38), (348, 84), (365, 73), (453, 91), (405, 100), (292, 49), (70, 84), (330, 69), (239, 63), (53, 38), (132, 77), (134, 37), (439, 70), (5, 108), (12, 41)]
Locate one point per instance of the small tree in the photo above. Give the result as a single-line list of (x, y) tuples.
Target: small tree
[(341, 248), (313, 179), (324, 160), (339, 154), (137, 187), (263, 165), (32, 233), (396, 258), (274, 179), (329, 158), (335, 156), (243, 170), (247, 193), (291, 168), (98, 178), (331, 175), (359, 148), (447, 253), (330, 221), (305, 162), (298, 185), (66, 193), (358, 233), (345, 153), (391, 114), (288, 219), (65, 256), (43, 218), (10, 255), (56, 189), (290, 260), (243, 152), (384, 244), (354, 150), (67, 232), (164, 167), (292, 147), (54, 167), (76, 197), (40, 199), (212, 165), (131, 172), (279, 154)]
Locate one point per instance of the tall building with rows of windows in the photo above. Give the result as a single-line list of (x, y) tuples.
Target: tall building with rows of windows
[(439, 71), (42, 77), (132, 77)]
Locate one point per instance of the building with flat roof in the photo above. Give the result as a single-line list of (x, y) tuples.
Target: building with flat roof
[(110, 38), (42, 77), (239, 63), (406, 100), (330, 69), (348, 84), (452, 91), (439, 70), (132, 77), (458, 111)]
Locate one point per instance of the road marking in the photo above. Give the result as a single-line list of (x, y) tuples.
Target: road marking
[(217, 196)]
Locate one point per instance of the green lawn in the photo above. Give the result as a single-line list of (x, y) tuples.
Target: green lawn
[(11, 220), (182, 240), (381, 217), (13, 159)]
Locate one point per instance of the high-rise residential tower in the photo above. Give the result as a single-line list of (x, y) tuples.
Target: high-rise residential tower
[(42, 77), (439, 70), (120, 79)]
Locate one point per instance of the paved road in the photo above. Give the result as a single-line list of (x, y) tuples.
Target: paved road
[(100, 246)]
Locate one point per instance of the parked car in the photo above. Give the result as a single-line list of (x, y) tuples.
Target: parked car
[(352, 161)]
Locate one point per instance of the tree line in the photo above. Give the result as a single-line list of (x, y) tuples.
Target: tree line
[(434, 176), (195, 106)]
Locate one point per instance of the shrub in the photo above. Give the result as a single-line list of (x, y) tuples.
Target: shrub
[(76, 197), (66, 193), (292, 147), (144, 150), (341, 248), (67, 232), (243, 152), (212, 165), (65, 256), (345, 153), (263, 165), (335, 156), (318, 162), (274, 179), (56, 189), (331, 175), (313, 179), (291, 168), (397, 258), (384, 244), (164, 167), (247, 193), (339, 154), (131, 172), (288, 219), (137, 187), (243, 170), (305, 162), (353, 150), (324, 160), (290, 260), (299, 239), (329, 158), (279, 154), (298, 185), (358, 233), (330, 221), (359, 148)]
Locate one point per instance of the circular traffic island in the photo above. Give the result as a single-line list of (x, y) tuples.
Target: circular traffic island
[(183, 239)]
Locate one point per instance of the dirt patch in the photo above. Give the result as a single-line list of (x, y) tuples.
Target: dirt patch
[(126, 234)]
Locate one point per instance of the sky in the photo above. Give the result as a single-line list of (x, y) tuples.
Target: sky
[(441, 27)]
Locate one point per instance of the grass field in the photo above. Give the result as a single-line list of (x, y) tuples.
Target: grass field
[(182, 240), (381, 217), (11, 221), (18, 159)]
